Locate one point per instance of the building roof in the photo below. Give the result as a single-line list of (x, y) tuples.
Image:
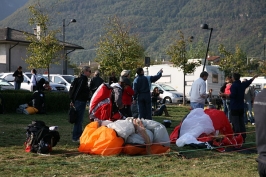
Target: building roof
[(10, 35), (213, 58)]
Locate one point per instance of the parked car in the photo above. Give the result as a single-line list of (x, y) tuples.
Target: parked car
[(61, 79), (168, 93), (26, 83)]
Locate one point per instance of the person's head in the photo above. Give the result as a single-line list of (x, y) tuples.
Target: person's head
[(113, 74), (33, 71), (210, 91), (19, 68), (155, 89), (121, 81), (125, 73), (140, 71), (228, 79), (236, 76), (40, 84), (97, 73), (86, 71), (204, 75)]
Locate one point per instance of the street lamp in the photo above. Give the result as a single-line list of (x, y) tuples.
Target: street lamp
[(64, 37), (205, 26)]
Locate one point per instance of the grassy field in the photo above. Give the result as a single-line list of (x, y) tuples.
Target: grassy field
[(65, 160)]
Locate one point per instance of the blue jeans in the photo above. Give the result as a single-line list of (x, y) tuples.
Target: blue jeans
[(225, 107), (17, 85), (248, 112), (195, 105), (227, 103), (77, 128)]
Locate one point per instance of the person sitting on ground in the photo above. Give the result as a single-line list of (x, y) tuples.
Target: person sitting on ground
[(47, 86), (159, 111)]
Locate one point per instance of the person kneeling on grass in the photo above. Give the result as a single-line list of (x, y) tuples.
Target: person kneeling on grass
[(159, 111)]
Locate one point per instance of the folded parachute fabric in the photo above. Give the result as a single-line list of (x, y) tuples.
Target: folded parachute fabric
[(196, 129), (121, 137), (196, 123)]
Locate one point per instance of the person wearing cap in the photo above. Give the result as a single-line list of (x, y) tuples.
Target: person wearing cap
[(128, 92), (95, 82), (142, 94)]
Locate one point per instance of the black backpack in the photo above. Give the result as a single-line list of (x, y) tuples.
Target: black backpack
[(39, 138)]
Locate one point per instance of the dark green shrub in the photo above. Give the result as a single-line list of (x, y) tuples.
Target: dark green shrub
[(54, 101)]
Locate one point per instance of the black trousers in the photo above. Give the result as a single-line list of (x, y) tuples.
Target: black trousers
[(262, 169), (237, 120)]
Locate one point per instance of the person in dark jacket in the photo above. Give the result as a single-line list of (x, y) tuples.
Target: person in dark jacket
[(112, 79), (18, 78), (96, 81), (142, 94), (237, 92), (82, 96), (259, 108)]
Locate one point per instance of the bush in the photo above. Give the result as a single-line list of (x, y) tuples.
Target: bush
[(54, 101)]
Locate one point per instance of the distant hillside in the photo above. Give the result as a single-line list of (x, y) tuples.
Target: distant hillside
[(8, 7), (156, 22)]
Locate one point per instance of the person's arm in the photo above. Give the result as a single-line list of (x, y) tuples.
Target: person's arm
[(203, 90), (129, 90), (135, 89), (15, 74), (156, 77), (118, 98)]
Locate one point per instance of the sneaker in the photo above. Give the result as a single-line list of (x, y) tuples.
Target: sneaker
[(75, 141)]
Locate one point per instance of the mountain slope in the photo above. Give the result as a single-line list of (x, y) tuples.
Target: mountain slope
[(156, 22), (9, 6)]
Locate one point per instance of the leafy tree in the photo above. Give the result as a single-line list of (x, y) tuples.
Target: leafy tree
[(44, 49), (179, 57), (118, 49), (233, 62), (197, 51)]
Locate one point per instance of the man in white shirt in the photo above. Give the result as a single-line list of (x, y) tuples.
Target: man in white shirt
[(198, 91)]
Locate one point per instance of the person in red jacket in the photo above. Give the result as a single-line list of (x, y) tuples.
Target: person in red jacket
[(128, 92)]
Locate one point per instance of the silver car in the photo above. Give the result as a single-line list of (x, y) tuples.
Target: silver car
[(26, 83), (61, 79), (168, 93)]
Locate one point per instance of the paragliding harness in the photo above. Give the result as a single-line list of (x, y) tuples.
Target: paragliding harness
[(102, 104), (40, 139)]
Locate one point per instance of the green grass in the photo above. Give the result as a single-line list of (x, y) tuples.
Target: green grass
[(65, 160)]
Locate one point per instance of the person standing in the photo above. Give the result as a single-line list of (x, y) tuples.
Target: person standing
[(127, 95), (226, 93), (117, 99), (259, 108), (155, 97), (18, 78), (79, 98), (142, 94), (112, 79), (33, 80), (237, 104), (249, 98), (95, 82), (198, 91)]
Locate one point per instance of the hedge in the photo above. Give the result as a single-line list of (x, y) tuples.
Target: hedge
[(54, 101)]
